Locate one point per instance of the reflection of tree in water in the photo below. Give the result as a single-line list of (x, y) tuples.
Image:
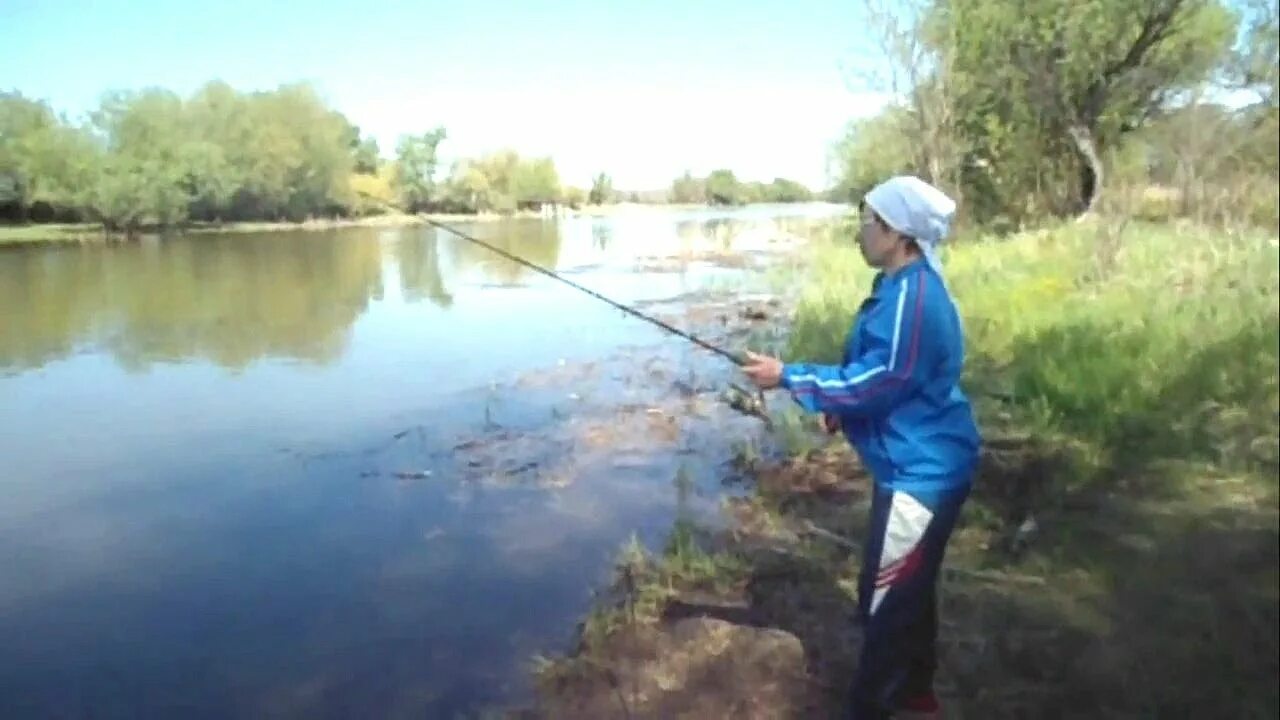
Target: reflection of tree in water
[(601, 234), (420, 277), (697, 233), (48, 298), (689, 232), (231, 300), (537, 241), (721, 229)]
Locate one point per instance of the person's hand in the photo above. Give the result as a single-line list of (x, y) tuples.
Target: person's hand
[(764, 371), (830, 423)]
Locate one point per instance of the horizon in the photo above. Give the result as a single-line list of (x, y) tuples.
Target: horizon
[(642, 94)]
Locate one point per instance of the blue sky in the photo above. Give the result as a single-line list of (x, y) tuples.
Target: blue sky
[(641, 90)]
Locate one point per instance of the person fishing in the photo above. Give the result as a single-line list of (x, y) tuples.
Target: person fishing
[(896, 396)]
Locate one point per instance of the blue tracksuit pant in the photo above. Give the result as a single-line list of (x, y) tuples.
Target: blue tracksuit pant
[(897, 601)]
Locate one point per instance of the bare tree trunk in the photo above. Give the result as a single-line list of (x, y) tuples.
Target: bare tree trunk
[(1091, 174)]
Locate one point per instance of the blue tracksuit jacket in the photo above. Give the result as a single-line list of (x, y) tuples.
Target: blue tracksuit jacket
[(897, 390)]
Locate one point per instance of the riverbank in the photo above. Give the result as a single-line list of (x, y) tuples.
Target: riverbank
[(77, 233), (93, 233), (1118, 557)]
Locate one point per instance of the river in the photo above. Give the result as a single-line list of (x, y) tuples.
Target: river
[(350, 473)]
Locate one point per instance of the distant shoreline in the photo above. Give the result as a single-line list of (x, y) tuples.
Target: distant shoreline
[(87, 233), (90, 233)]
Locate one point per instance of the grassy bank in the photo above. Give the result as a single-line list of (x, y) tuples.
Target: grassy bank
[(51, 233), (1127, 383)]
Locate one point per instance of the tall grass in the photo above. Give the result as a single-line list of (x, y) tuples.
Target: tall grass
[(1144, 360), (1134, 342)]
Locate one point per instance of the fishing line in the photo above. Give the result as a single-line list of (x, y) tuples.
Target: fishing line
[(736, 358)]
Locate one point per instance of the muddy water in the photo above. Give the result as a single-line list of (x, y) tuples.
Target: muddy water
[(353, 473)]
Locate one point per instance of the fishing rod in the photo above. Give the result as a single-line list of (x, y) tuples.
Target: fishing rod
[(736, 358)]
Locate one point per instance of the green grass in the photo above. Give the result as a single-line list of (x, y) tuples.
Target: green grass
[(24, 234), (1129, 345), (1141, 365)]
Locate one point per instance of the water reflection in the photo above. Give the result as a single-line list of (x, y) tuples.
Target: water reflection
[(418, 261), (537, 241), (232, 300), (600, 236), (226, 300)]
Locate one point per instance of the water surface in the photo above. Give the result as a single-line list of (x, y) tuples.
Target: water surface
[(365, 472)]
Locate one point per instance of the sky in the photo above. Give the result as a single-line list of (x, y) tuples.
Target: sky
[(640, 90)]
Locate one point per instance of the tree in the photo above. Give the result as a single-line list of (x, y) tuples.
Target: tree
[(910, 62), (723, 189), (147, 173), (535, 183), (416, 167), (1033, 83), (43, 160), (872, 150), (151, 157), (467, 189), (783, 190), (687, 189), (752, 192), (574, 197), (502, 182), (601, 190), (366, 156), (1256, 63)]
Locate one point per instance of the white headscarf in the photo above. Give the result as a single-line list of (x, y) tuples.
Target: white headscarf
[(916, 209)]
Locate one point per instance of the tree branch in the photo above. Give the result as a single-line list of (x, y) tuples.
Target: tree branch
[(1155, 27)]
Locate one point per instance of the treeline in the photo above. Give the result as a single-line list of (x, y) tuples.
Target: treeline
[(722, 187), (1049, 109), (152, 158)]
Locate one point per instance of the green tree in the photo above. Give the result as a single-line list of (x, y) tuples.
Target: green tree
[(752, 192), (535, 182), (43, 160), (871, 150), (467, 189), (145, 175), (366, 156), (1049, 84), (687, 189), (319, 175), (782, 190), (574, 197), (502, 182), (364, 149), (601, 190), (285, 152), (416, 168), (722, 188), (1256, 63), (149, 157)]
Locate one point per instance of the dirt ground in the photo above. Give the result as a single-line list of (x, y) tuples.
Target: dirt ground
[(1117, 613)]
